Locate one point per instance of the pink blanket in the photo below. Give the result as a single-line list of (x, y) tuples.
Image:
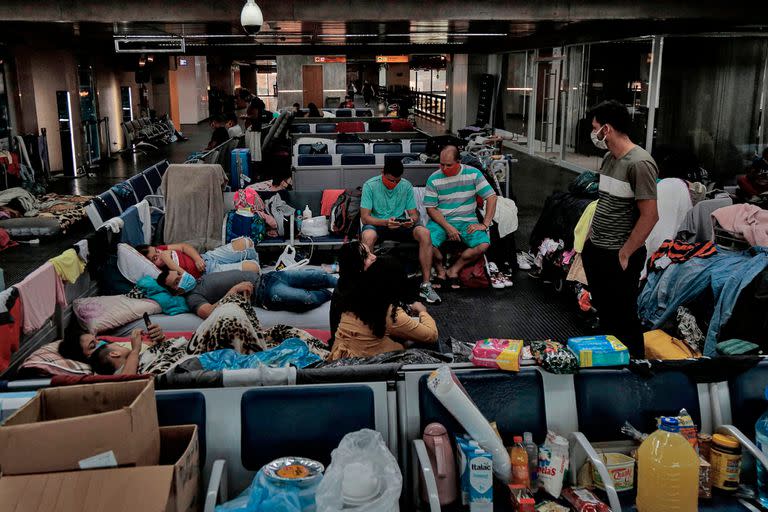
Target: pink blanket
[(747, 220), (39, 292)]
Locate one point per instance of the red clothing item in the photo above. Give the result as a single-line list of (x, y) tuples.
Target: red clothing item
[(10, 334), (750, 189), (185, 262)]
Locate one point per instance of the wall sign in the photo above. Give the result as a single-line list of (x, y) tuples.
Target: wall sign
[(391, 59), (330, 59)]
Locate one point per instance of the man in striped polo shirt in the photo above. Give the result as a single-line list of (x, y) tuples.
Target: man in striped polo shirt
[(626, 213), (450, 199)]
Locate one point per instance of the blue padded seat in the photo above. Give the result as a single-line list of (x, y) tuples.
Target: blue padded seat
[(358, 159), (183, 408), (515, 401), (162, 167), (418, 146), (325, 128), (344, 112), (154, 177), (106, 205), (350, 147), (747, 400), (315, 160), (304, 149), (363, 113), (605, 399), (124, 195), (140, 186), (299, 128), (387, 147), (310, 421), (399, 156)]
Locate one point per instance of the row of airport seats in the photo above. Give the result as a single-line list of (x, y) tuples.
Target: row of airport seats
[(358, 153), (346, 127), (144, 132), (248, 427), (110, 204), (341, 112)]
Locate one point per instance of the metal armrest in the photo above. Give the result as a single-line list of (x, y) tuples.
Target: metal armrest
[(425, 469), (745, 442), (578, 439), (217, 486)]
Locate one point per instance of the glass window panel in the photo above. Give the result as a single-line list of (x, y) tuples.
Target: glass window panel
[(516, 94)]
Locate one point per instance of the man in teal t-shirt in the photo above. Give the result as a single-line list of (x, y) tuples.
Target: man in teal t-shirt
[(388, 211)]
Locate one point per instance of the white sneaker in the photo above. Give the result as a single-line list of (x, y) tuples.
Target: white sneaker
[(492, 268), (497, 281), (506, 280), (523, 263)]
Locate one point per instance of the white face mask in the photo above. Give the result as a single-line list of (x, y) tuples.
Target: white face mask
[(599, 143)]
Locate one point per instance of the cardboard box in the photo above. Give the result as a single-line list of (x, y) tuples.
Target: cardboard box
[(114, 424), (171, 487)]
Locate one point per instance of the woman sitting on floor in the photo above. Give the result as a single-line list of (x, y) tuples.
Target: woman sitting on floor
[(239, 254), (373, 315), (354, 259)]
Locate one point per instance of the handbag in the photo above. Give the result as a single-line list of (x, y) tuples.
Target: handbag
[(253, 143), (475, 275)]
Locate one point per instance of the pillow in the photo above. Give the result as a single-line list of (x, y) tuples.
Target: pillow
[(99, 314), (133, 265), (48, 361)]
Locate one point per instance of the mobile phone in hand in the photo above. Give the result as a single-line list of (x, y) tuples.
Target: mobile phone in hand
[(146, 321)]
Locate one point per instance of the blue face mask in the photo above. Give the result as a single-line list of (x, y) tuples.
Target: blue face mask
[(99, 344), (188, 282)]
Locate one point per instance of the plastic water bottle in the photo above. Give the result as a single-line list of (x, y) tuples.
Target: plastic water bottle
[(307, 213), (667, 471), (298, 220), (533, 458), (761, 434)]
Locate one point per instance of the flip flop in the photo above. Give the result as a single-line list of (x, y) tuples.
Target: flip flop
[(453, 283), (439, 283)]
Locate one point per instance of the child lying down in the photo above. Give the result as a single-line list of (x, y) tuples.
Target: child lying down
[(233, 325)]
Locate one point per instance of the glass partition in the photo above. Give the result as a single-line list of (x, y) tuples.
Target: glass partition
[(516, 94)]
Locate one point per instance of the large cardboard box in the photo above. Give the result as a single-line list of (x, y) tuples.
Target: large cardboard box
[(61, 428), (172, 486)]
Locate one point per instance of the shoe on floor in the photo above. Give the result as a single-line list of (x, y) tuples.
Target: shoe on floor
[(506, 279), (428, 293), (497, 281), (523, 263)]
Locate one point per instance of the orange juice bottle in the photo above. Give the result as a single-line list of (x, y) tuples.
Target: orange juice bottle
[(667, 472), (519, 459)]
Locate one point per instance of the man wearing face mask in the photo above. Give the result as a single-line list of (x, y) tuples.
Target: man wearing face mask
[(388, 212), (626, 214), (287, 290), (450, 198)]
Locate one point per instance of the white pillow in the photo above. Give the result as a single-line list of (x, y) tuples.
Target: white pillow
[(133, 265), (99, 314)]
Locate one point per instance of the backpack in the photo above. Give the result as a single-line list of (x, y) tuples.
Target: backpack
[(475, 275), (345, 213), (281, 212), (318, 148)]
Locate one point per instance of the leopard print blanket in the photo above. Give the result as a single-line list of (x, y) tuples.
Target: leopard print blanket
[(234, 324)]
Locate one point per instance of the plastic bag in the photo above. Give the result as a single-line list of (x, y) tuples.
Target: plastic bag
[(263, 496), (364, 448), (292, 351), (553, 463)]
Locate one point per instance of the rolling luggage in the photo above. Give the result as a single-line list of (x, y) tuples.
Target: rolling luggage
[(239, 172)]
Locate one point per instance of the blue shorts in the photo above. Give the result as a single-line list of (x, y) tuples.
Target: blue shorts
[(439, 236)]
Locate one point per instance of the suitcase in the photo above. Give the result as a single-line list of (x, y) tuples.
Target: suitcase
[(239, 172)]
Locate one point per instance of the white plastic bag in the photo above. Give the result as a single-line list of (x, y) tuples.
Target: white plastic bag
[(366, 452), (314, 227), (287, 260), (553, 463)]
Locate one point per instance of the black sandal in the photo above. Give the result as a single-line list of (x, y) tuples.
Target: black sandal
[(439, 283), (453, 283)]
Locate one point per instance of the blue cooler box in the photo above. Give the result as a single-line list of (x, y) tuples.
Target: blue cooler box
[(599, 351)]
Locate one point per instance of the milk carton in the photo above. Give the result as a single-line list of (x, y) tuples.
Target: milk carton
[(480, 467), (464, 446)]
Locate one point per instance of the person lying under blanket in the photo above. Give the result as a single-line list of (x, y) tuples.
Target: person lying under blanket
[(233, 326), (287, 290), (239, 254)]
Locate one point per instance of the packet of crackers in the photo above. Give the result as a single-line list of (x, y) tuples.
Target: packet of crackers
[(687, 428)]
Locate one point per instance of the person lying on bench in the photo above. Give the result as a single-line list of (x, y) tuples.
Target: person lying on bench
[(287, 290), (450, 201), (388, 211), (80, 345), (239, 254)]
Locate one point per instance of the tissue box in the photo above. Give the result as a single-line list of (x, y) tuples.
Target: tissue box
[(599, 351)]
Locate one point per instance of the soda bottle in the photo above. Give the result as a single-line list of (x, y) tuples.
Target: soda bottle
[(667, 471), (761, 435), (533, 457), (519, 459)]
